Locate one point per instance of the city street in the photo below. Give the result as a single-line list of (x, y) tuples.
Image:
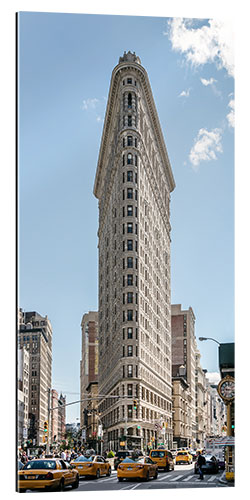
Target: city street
[(181, 477)]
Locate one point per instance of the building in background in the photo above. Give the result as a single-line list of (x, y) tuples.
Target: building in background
[(61, 418), (23, 395), (35, 335), (133, 183), (201, 402), (182, 430), (54, 416), (89, 359), (184, 350)]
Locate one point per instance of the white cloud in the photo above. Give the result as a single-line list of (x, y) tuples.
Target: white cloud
[(209, 43), (208, 82), (184, 93), (89, 103), (206, 145), (213, 377), (231, 115)]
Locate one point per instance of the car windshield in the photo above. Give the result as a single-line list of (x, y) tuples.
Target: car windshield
[(82, 458), (40, 464), (122, 454), (128, 460), (159, 454), (182, 453)]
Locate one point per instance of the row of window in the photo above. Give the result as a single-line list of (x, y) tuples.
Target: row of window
[(130, 298), (129, 280), (130, 159), (130, 263), (129, 351), (129, 141), (129, 101), (129, 315), (130, 228), (129, 81), (130, 371), (129, 121), (131, 176), (130, 211), (131, 245), (130, 332), (130, 194)]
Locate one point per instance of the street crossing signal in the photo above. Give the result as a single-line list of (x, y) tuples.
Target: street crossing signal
[(45, 427), (135, 404)]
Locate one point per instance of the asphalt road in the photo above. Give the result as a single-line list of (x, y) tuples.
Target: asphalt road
[(182, 477)]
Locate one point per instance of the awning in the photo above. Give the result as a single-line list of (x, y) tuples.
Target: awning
[(225, 441)]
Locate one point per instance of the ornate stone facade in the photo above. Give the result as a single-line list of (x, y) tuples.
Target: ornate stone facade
[(133, 185)]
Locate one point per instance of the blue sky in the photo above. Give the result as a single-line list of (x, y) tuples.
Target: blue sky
[(65, 65)]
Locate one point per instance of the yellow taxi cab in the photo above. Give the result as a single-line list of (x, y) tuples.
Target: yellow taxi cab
[(143, 468), (183, 457), (163, 458), (47, 474), (93, 465)]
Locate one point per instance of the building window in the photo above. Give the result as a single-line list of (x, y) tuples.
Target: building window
[(130, 389), (130, 280), (130, 350), (130, 227), (129, 121), (130, 333), (130, 159), (129, 81), (123, 160), (130, 411), (130, 371), (130, 245), (136, 160), (135, 142), (130, 298), (129, 176), (129, 315), (130, 262), (130, 193), (130, 140), (129, 210), (129, 100)]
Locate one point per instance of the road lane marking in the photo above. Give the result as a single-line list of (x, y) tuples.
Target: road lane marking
[(189, 477), (135, 486), (176, 478), (212, 478), (164, 477)]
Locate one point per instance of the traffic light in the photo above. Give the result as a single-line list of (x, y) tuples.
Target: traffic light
[(135, 404), (45, 427)]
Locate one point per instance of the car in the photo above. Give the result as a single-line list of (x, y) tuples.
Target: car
[(211, 466), (93, 465), (183, 457), (120, 455), (47, 474), (141, 468), (163, 458)]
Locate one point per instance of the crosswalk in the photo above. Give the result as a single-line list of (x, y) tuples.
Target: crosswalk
[(170, 478)]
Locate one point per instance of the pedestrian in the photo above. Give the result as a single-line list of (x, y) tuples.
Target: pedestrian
[(63, 455), (200, 462), (24, 458)]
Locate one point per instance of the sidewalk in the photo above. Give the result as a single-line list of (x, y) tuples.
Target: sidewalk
[(222, 479)]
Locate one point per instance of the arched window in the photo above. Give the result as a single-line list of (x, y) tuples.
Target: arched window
[(130, 140), (130, 159), (129, 100)]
